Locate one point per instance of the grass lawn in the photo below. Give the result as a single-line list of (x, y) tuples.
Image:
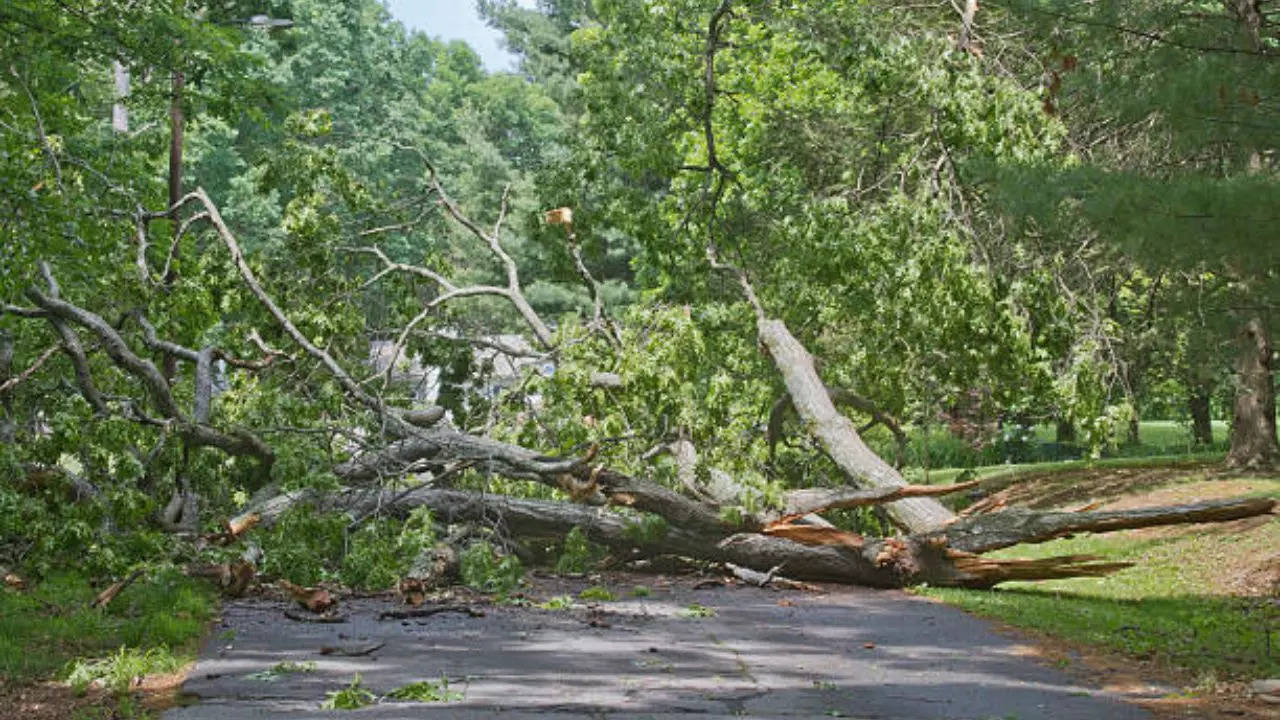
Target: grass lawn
[(44, 631), (1169, 435), (1199, 598), (1003, 474)]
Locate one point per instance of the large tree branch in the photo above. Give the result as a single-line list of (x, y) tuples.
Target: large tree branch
[(992, 531), (61, 312), (891, 562), (836, 433), (843, 396), (576, 475)]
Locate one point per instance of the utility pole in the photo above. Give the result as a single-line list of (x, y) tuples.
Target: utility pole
[(177, 121), (176, 128)]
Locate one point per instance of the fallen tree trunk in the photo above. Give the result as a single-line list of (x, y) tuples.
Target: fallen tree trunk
[(836, 433), (943, 557)]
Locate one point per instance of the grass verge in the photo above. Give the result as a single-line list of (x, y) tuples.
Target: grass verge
[(1187, 603), (153, 625)]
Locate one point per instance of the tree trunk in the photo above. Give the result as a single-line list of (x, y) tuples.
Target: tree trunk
[(1065, 431), (836, 432), (1135, 423), (1201, 418), (120, 113), (1253, 425), (945, 557)]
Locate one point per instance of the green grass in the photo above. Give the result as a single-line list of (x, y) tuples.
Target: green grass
[(1168, 434), (595, 592), (559, 602), (936, 447), (51, 627), (1017, 472), (1164, 608), (697, 611)]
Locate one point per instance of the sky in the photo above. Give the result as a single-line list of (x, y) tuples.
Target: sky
[(455, 19)]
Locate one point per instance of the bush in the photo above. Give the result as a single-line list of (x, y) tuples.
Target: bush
[(307, 547), (486, 571), (304, 546), (578, 553)]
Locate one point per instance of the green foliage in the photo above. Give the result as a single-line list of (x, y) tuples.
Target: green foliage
[(483, 569), (641, 591), (378, 555), (597, 593), (559, 602), (647, 528), (696, 611), (282, 669), (577, 554), (307, 547), (303, 546), (427, 691), (351, 697), (118, 672)]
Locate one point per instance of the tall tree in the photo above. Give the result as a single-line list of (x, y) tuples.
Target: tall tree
[(1173, 159)]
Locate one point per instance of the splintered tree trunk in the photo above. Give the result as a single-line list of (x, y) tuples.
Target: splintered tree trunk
[(1201, 418), (837, 434), (1253, 426)]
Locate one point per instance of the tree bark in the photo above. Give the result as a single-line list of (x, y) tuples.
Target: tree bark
[(836, 432), (1253, 426), (1065, 431), (1201, 417)]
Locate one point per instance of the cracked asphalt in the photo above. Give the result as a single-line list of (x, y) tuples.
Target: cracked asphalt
[(841, 652)]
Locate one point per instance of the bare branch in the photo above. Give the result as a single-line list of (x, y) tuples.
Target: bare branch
[(152, 340), (599, 321), (84, 378), (23, 311), (815, 500), (514, 293), (177, 239), (23, 376), (246, 273)]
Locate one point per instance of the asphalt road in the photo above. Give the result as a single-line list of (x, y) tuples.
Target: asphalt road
[(845, 652)]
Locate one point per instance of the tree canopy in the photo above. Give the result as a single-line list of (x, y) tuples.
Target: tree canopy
[(619, 275)]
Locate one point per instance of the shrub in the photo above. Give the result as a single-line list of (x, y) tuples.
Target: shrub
[(578, 554), (486, 571)]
